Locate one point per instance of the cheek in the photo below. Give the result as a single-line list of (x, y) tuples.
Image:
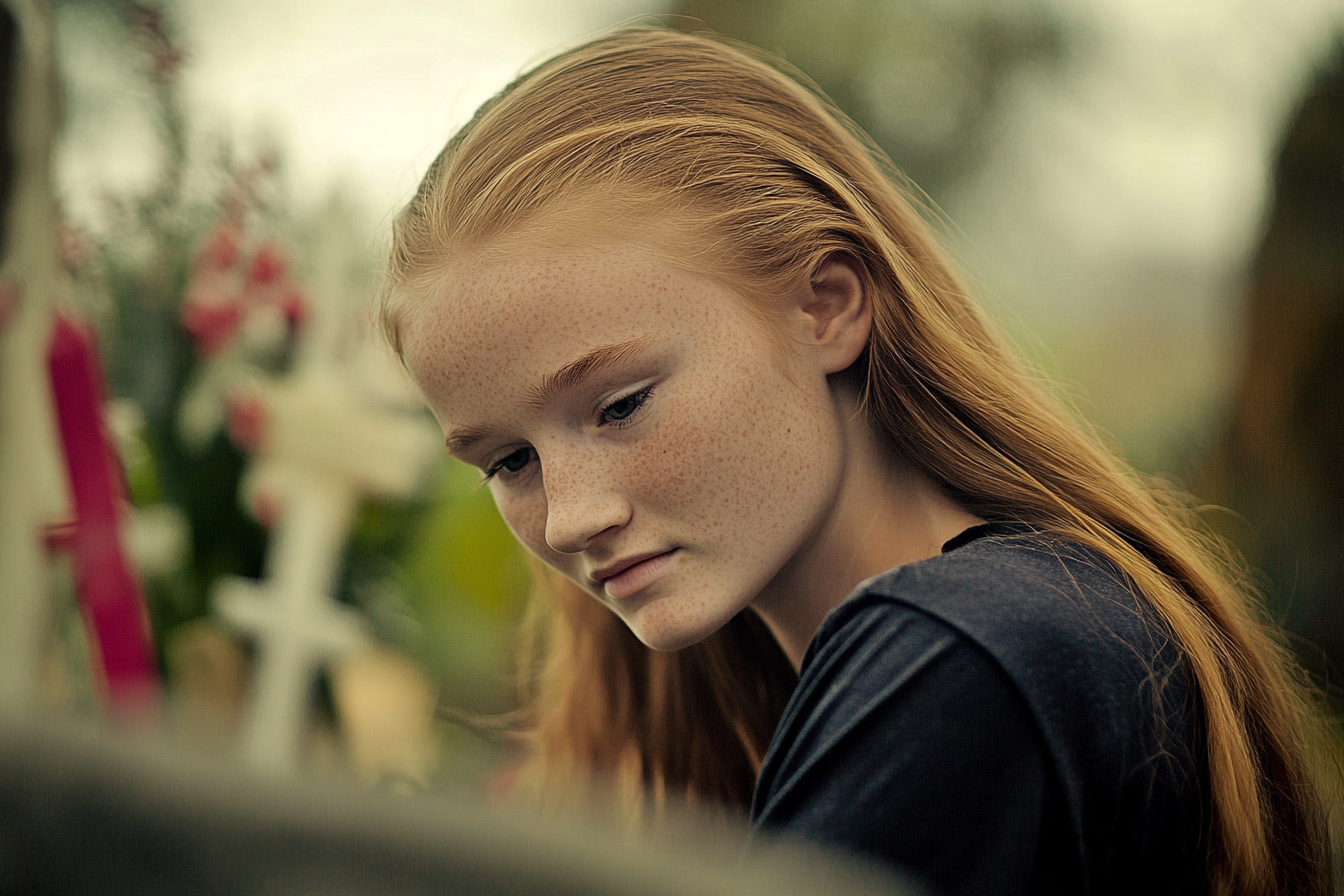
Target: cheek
[(525, 515), (738, 452)]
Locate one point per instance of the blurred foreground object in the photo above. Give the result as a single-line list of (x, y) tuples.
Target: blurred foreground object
[(1280, 461), (80, 815)]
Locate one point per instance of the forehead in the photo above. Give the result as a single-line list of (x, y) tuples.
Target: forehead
[(512, 313)]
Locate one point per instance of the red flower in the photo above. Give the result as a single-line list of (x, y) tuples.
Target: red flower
[(246, 421), (216, 304), (295, 307), (211, 324), (266, 508), (268, 265)]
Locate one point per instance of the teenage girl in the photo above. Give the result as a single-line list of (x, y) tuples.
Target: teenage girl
[(723, 384)]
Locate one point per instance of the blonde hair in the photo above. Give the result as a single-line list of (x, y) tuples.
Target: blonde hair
[(777, 179)]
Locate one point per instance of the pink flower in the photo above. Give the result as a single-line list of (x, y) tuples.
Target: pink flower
[(295, 307), (266, 508), (76, 248), (268, 265), (246, 421), (211, 324)]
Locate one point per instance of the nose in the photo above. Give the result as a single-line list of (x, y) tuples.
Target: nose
[(582, 502)]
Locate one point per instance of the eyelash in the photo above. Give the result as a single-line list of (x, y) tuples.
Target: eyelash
[(495, 468), (639, 398)]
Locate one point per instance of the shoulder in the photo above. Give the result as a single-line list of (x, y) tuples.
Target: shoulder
[(905, 741), (1015, 585), (1090, 656), (1061, 620), (877, 660), (1022, 632)]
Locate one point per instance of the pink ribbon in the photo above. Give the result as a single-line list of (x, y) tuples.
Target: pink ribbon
[(114, 611)]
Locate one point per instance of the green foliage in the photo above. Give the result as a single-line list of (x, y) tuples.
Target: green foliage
[(465, 578)]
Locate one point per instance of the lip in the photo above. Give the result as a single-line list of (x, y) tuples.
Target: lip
[(632, 574)]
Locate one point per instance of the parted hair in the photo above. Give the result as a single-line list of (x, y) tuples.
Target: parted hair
[(774, 178)]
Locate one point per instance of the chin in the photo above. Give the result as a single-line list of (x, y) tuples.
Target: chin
[(668, 641), (663, 627)]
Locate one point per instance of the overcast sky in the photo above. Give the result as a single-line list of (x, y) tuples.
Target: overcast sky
[(1160, 141), (1156, 144)]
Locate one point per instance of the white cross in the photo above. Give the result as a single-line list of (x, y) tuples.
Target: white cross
[(294, 620), (324, 443), (322, 450)]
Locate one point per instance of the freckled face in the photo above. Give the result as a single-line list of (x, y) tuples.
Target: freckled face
[(637, 426)]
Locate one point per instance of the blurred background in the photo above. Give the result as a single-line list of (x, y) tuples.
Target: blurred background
[(1148, 195)]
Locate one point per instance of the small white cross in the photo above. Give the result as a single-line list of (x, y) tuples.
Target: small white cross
[(321, 449), (296, 624)]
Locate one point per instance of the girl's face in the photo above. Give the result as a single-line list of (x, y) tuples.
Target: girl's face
[(641, 430)]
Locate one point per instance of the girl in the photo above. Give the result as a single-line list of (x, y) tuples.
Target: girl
[(725, 387)]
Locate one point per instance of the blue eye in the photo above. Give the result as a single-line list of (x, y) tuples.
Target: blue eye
[(624, 407), (512, 464)]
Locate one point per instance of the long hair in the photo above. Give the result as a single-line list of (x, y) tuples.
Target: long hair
[(775, 178)]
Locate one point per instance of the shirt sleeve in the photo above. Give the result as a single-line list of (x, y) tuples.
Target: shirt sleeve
[(907, 743)]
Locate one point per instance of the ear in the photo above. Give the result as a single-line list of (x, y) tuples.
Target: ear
[(837, 311)]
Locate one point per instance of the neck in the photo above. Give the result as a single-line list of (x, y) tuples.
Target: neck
[(886, 514)]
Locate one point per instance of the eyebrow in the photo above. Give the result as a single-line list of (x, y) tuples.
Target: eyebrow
[(576, 372), (463, 437), (460, 439)]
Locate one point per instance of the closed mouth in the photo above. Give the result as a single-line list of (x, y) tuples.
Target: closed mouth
[(634, 574), (614, 569)]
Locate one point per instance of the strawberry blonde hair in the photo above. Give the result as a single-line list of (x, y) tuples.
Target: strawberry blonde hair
[(776, 178)]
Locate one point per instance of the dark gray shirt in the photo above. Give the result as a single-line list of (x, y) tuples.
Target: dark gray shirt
[(1007, 717)]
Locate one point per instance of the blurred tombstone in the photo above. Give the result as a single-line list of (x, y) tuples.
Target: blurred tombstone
[(1280, 462), (321, 442), (209, 671), (385, 704), (79, 815)]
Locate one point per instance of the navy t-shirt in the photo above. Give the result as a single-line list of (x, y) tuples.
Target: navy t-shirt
[(1007, 717)]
